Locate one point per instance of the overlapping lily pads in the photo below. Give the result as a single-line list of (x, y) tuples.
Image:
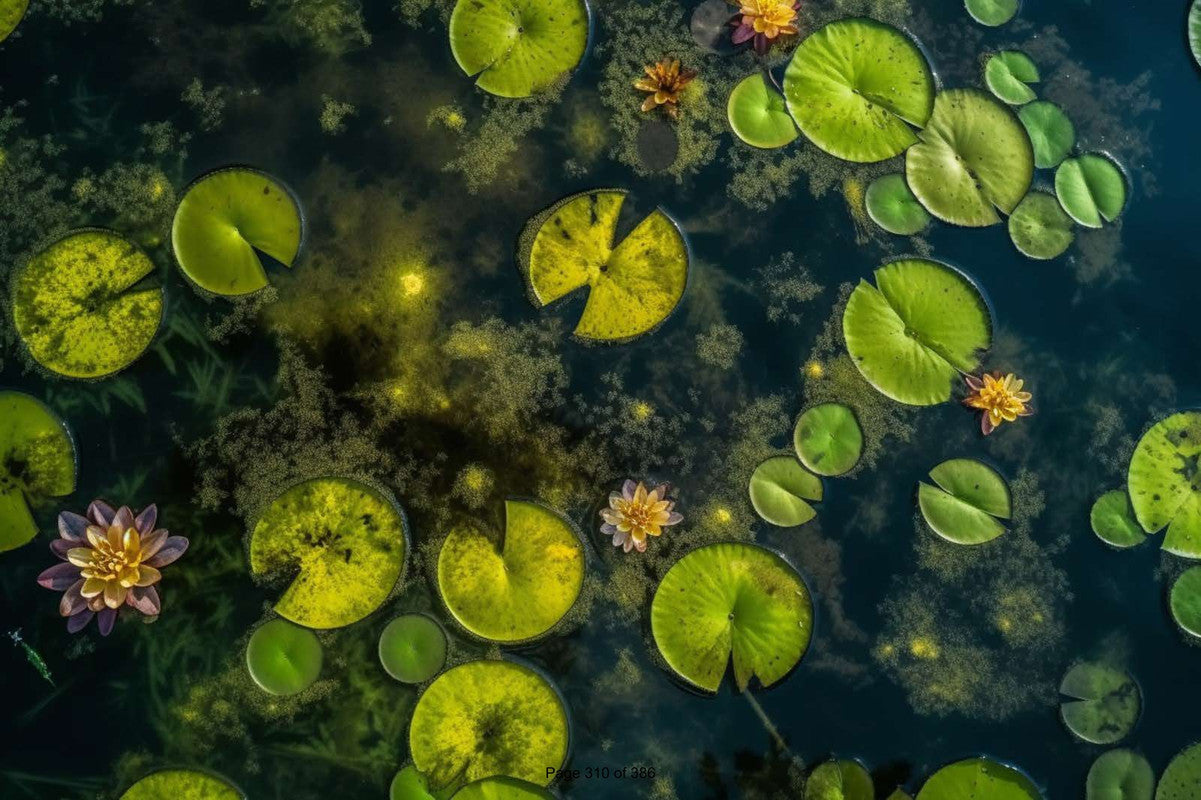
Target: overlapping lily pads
[(1164, 482), (1051, 132), (979, 778), (914, 332), (342, 543), (515, 586), (731, 600), (840, 780), (283, 658), (409, 784), (1112, 519), (37, 461), (781, 490), (634, 284), (11, 14), (502, 788), (828, 439), (412, 648), (1091, 188), (968, 502), (1182, 776), (1185, 601), (1009, 74), (857, 88), (182, 784), (1039, 227), (1105, 702), (1120, 775), (992, 12), (758, 114), (892, 205)]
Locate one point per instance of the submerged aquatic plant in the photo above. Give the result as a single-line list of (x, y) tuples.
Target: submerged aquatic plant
[(664, 80), (635, 513), (762, 22), (111, 558), (1000, 398)]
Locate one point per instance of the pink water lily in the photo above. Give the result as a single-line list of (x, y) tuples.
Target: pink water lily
[(635, 513)]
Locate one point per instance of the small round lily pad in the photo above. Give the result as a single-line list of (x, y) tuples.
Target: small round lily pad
[(1039, 227), (967, 502), (518, 47), (1113, 521), (1185, 601), (731, 600), (37, 461), (11, 14), (981, 778), (283, 658), (182, 784), (992, 12), (1091, 188), (83, 305), (758, 114), (892, 205), (502, 788), (828, 439), (409, 784), (1164, 482), (1120, 775), (412, 648), (1105, 702), (839, 780), (1051, 132), (342, 544), (779, 488), (227, 220), (1009, 74), (1182, 776), (487, 718)]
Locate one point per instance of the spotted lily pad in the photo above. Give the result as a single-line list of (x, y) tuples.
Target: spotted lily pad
[(1182, 776), (779, 489), (1113, 521), (828, 439), (1185, 601), (1039, 227), (892, 205), (992, 12), (500, 788), (857, 88), (981, 778), (1008, 75), (341, 542), (11, 14), (226, 221), (83, 306), (518, 47), (1051, 132), (1120, 775), (917, 330), (758, 114), (839, 780), (633, 284), (412, 648), (37, 461), (974, 158), (731, 599), (487, 718), (515, 586), (1105, 702), (182, 784), (283, 658), (966, 505), (1091, 188), (1164, 482)]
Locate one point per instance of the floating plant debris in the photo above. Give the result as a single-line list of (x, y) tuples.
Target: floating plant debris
[(412, 648), (1112, 519), (1009, 74), (1184, 600), (892, 205), (1105, 702), (992, 12), (758, 114), (1120, 775), (283, 658), (1091, 188), (1051, 132), (966, 503), (979, 777), (182, 784), (840, 780), (780, 488), (1164, 482), (828, 439), (37, 461), (1040, 228)]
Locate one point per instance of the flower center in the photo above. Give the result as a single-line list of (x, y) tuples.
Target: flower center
[(109, 561)]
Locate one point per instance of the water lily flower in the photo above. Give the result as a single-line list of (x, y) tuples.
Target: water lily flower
[(764, 21), (110, 559), (1000, 398), (664, 81), (635, 513)]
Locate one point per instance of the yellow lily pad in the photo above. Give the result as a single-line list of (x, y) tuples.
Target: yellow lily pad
[(37, 460), (11, 14), (182, 784)]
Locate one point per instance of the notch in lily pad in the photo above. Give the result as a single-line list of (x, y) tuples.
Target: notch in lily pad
[(966, 503), (758, 114), (979, 778), (1104, 702), (232, 223), (37, 461), (1008, 74), (1091, 188), (1164, 482), (992, 13), (283, 658), (412, 648), (828, 439), (892, 205), (844, 779), (1120, 774), (193, 784), (1112, 519), (1039, 227), (11, 14), (781, 490)]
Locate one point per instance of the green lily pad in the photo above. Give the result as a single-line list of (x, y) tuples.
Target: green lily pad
[(226, 221), (342, 542), (1039, 227), (1051, 132), (516, 586), (857, 88), (1008, 75), (779, 488), (633, 284), (974, 158), (914, 332), (487, 718), (731, 599), (839, 780), (992, 12), (1182, 777), (412, 648), (1113, 521), (37, 461), (1194, 30), (518, 47), (1120, 775), (283, 658), (1164, 482), (1106, 702), (1185, 601), (981, 778), (1091, 188), (11, 14), (82, 307), (892, 205), (182, 784), (502, 788), (900, 794), (828, 439), (969, 499), (409, 784), (758, 114)]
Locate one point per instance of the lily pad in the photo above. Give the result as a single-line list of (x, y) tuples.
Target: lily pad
[(967, 503), (516, 586), (1164, 482), (992, 12), (779, 488), (487, 718), (342, 542), (409, 784), (633, 284), (37, 461), (1105, 705), (1008, 75), (857, 88), (11, 14), (1120, 775), (981, 778), (731, 599), (892, 205), (227, 220), (1091, 188), (283, 658), (1039, 227), (710, 26), (974, 158), (839, 780), (914, 332), (500, 788), (758, 114), (1185, 601), (518, 47), (1113, 521), (1182, 778), (83, 307), (828, 439), (412, 648), (1051, 132), (182, 784), (1194, 30)]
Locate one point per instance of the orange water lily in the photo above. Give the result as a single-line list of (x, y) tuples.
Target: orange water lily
[(764, 21), (1000, 398), (664, 80), (635, 513)]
